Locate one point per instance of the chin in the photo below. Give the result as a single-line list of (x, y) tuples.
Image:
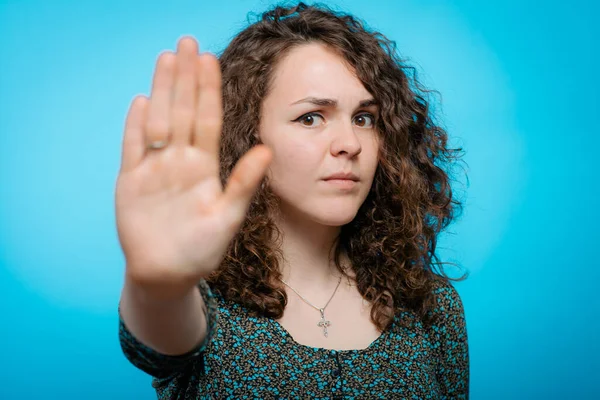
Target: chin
[(335, 217), (325, 212)]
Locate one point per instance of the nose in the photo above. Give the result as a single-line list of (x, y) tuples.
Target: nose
[(346, 141)]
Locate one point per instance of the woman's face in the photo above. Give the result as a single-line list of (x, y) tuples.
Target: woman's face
[(318, 120)]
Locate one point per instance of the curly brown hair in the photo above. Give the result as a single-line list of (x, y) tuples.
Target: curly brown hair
[(392, 240)]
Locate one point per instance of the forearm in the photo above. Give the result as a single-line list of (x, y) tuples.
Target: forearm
[(170, 326)]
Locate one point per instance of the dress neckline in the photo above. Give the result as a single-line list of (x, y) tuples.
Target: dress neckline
[(285, 334)]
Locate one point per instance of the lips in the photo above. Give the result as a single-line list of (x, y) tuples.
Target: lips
[(343, 176), (342, 184)]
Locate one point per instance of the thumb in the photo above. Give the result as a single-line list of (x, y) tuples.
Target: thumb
[(244, 180)]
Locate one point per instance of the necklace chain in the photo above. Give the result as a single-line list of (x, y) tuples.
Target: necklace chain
[(323, 323), (309, 303)]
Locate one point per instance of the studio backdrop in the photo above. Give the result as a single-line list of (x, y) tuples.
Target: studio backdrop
[(518, 90)]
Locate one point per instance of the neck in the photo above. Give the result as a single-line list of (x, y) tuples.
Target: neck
[(308, 249)]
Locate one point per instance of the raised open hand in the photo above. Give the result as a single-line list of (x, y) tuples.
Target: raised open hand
[(174, 219)]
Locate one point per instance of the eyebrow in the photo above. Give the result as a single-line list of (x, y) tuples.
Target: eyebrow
[(333, 103)]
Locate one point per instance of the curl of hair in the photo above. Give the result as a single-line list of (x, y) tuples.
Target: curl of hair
[(392, 240)]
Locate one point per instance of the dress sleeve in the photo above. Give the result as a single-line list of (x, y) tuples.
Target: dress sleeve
[(450, 331), (164, 366)]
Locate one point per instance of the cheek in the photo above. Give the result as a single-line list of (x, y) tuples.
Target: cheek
[(370, 153), (296, 160)]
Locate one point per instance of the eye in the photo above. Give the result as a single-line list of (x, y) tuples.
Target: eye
[(363, 120), (309, 120)]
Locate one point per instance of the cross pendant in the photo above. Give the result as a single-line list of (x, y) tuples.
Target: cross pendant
[(323, 323)]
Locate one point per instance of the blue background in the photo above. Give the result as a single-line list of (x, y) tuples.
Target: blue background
[(519, 84)]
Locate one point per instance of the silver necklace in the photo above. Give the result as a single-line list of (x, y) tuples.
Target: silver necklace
[(323, 323)]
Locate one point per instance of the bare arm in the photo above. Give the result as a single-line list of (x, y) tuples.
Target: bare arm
[(171, 326)]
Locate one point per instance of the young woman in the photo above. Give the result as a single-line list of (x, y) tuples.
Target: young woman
[(278, 209)]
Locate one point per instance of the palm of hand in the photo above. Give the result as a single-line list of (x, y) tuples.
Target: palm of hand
[(174, 218)]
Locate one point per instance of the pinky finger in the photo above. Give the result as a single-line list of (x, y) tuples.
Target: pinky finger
[(133, 138)]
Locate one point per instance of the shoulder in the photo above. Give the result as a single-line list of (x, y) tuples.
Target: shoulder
[(230, 312), (447, 300)]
